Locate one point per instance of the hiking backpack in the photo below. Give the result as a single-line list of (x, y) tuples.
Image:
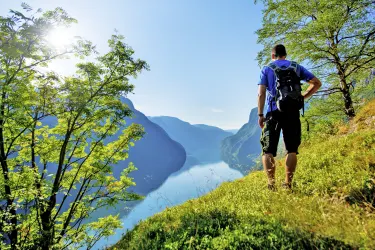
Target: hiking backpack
[(288, 88)]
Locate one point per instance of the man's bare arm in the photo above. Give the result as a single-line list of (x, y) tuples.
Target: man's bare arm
[(315, 84), (261, 101), (261, 98)]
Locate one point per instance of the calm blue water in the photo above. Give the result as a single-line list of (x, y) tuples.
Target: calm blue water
[(178, 188)]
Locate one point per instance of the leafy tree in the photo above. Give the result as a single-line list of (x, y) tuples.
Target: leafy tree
[(325, 115), (57, 135), (336, 38)]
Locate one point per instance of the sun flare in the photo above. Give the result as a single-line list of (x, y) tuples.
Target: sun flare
[(59, 38)]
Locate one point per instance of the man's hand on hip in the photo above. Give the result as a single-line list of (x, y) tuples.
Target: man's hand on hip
[(261, 121), (315, 84)]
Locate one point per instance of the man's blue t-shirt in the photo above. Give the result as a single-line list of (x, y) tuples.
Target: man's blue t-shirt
[(267, 78)]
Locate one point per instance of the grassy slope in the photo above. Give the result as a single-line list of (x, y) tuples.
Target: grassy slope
[(332, 205)]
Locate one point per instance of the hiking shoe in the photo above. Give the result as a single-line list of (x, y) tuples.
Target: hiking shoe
[(287, 186), (271, 187)]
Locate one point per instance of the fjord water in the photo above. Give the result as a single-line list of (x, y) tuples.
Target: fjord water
[(181, 186)]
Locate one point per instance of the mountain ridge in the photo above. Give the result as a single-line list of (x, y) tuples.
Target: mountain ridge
[(241, 150), (141, 153), (200, 141)]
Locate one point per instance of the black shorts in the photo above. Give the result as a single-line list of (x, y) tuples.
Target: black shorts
[(289, 123)]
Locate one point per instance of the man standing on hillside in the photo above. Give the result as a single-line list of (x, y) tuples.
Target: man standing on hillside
[(280, 79)]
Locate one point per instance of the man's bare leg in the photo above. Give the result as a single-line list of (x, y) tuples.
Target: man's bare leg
[(269, 168), (290, 168)]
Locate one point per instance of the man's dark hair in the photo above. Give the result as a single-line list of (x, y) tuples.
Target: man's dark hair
[(279, 50)]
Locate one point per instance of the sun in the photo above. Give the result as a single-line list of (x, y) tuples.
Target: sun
[(59, 38)]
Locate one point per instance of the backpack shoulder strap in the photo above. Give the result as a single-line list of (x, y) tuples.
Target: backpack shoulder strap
[(272, 66), (293, 65)]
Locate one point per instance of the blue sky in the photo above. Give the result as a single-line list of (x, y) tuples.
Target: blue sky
[(201, 52)]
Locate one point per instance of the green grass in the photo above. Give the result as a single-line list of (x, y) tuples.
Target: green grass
[(331, 206)]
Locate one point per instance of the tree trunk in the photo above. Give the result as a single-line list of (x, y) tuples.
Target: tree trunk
[(46, 239), (349, 110), (13, 236), (348, 102)]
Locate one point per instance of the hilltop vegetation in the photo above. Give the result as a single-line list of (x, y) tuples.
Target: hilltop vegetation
[(332, 204)]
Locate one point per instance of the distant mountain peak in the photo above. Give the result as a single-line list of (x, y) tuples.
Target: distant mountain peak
[(201, 141), (241, 149), (128, 102), (253, 115), (205, 126), (233, 131), (166, 117)]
